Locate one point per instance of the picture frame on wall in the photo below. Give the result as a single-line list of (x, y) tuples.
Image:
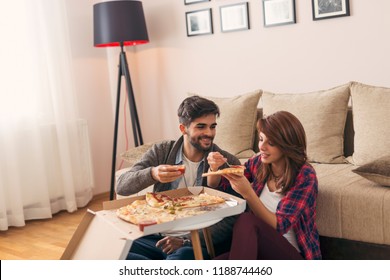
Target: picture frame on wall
[(234, 17), (278, 12), (199, 22), (325, 9), (188, 2)]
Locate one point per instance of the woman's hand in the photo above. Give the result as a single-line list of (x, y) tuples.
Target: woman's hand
[(240, 184), (169, 244), (167, 173)]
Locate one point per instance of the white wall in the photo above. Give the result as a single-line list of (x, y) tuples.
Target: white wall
[(305, 56), (93, 89)]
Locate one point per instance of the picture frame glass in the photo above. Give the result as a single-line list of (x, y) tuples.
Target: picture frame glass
[(199, 22), (234, 17), (278, 12), (330, 8)]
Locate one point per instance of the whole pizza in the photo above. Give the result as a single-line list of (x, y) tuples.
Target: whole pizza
[(158, 208)]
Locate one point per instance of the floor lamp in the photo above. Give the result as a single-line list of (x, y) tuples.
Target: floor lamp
[(119, 24)]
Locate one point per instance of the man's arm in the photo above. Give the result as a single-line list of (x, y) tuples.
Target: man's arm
[(140, 177), (217, 160)]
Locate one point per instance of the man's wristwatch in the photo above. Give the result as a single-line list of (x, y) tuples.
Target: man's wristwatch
[(186, 242)]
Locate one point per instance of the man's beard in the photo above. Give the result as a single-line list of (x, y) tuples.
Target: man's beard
[(196, 144)]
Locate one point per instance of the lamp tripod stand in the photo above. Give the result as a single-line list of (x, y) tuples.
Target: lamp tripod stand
[(123, 70)]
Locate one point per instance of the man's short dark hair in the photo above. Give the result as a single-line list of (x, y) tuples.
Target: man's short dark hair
[(194, 107)]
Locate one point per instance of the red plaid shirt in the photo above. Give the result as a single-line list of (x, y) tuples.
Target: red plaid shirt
[(296, 210)]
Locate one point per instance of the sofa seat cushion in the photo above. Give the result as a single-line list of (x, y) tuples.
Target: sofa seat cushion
[(351, 207)]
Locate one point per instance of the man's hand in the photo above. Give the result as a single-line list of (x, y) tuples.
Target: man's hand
[(167, 173), (216, 160), (169, 244)]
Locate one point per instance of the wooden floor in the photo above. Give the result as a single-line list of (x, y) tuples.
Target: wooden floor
[(44, 239)]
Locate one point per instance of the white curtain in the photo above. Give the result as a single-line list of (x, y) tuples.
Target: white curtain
[(45, 164)]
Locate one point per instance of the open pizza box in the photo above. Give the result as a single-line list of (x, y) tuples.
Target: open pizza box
[(102, 235)]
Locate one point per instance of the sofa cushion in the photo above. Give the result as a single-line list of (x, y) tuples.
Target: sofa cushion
[(237, 123), (134, 154), (322, 113), (371, 114), (351, 207), (377, 171)]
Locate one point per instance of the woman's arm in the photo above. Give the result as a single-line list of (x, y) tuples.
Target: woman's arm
[(299, 201)]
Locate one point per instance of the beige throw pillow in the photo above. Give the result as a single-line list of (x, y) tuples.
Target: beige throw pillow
[(377, 171), (371, 115), (135, 154), (236, 126), (322, 113)]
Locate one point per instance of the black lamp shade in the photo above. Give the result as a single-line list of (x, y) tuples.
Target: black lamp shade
[(117, 22)]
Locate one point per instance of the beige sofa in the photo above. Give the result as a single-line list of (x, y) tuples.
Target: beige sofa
[(348, 144)]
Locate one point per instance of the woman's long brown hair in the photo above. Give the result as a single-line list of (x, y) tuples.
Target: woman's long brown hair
[(286, 132)]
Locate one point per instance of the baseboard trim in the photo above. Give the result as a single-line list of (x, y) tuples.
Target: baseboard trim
[(344, 249)]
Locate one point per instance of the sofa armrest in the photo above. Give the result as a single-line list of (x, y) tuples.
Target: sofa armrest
[(134, 154)]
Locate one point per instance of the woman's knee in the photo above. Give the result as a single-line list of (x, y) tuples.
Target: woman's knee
[(246, 219)]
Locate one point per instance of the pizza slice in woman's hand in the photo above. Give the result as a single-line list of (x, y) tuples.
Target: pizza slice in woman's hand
[(233, 169)]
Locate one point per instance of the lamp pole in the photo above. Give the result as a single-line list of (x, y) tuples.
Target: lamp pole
[(137, 134), (123, 70)]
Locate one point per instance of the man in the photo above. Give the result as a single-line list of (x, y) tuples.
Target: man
[(160, 165)]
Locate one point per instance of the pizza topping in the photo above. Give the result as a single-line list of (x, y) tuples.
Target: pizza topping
[(157, 199), (160, 197), (183, 198), (182, 169)]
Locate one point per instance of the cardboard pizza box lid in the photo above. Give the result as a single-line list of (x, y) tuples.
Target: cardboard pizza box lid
[(94, 239), (102, 235)]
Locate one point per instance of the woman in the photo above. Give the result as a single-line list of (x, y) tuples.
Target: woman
[(280, 188)]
